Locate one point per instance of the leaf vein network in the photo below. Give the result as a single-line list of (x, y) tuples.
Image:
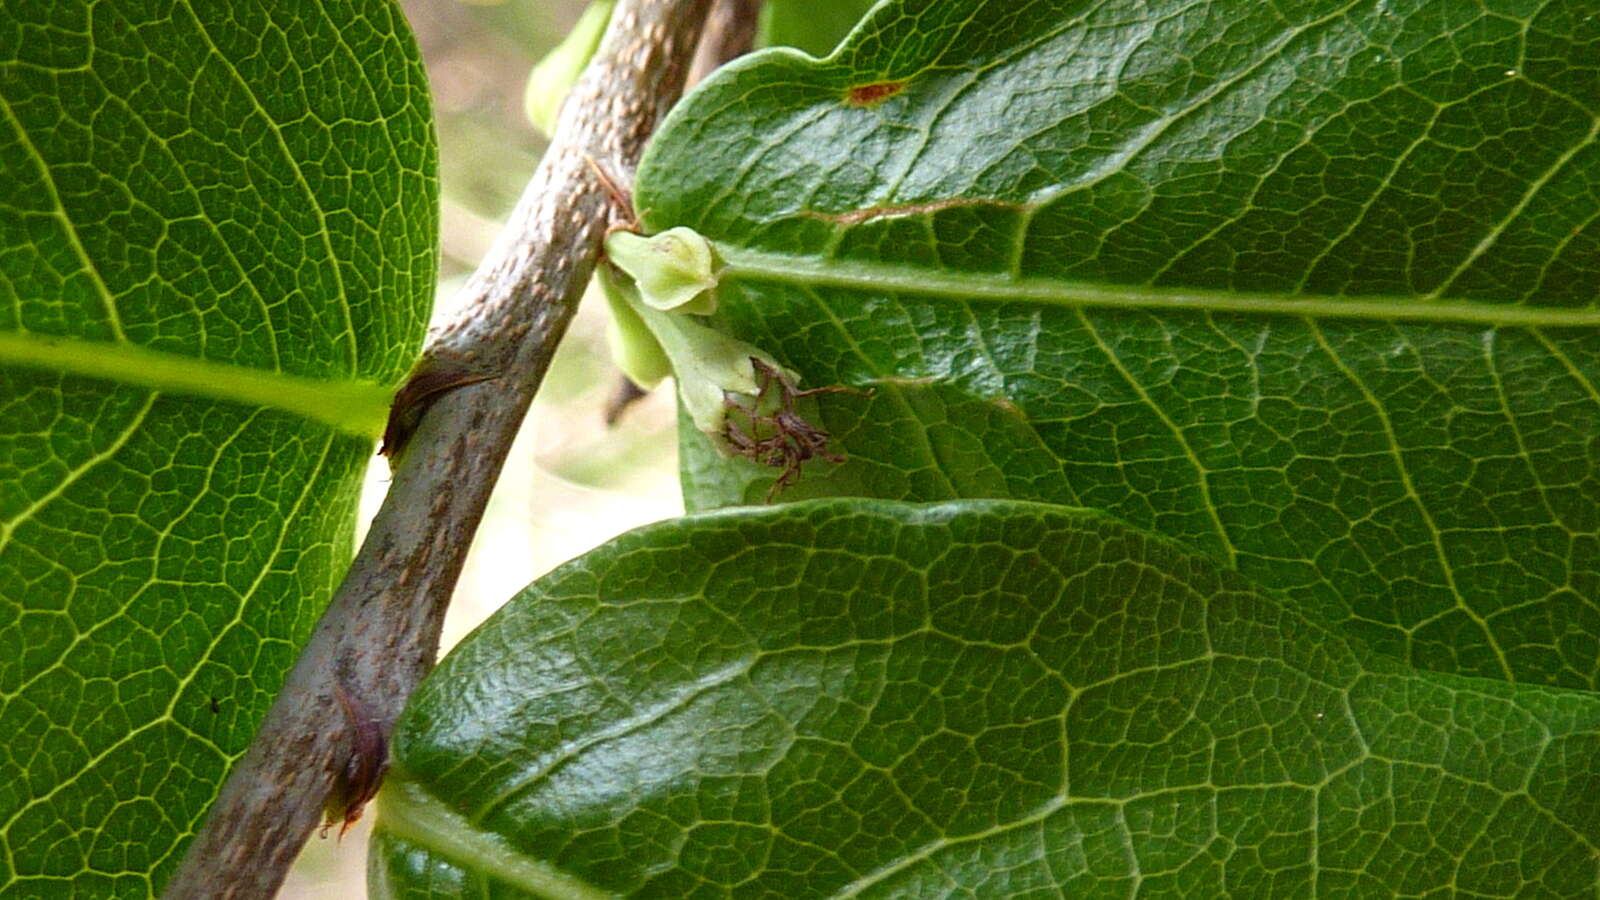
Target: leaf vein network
[(312, 197), (1413, 498), (68, 227)]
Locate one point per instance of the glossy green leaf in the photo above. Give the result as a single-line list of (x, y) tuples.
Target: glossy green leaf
[(217, 228), (814, 26), (1309, 286), (862, 698)]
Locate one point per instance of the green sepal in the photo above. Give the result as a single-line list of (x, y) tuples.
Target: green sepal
[(675, 270), (634, 349), (709, 366)]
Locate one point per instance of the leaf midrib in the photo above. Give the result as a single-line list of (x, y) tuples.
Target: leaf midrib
[(409, 812), (813, 271), (355, 407)]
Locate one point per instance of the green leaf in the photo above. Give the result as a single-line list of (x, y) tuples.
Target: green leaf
[(552, 78), (1310, 287), (875, 699), (814, 26), (217, 228)]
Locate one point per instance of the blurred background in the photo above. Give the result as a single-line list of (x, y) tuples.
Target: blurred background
[(570, 483)]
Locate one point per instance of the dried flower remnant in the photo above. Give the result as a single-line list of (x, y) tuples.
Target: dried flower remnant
[(659, 292), (364, 769), (765, 428)]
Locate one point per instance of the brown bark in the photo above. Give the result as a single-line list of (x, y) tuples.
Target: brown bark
[(730, 31), (380, 634)]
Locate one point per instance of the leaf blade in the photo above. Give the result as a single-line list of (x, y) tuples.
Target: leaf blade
[(865, 698), (217, 257), (1284, 284)]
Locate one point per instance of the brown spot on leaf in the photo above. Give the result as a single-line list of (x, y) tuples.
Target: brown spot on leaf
[(873, 94)]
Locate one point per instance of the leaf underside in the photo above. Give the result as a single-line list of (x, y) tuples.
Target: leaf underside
[(1435, 485), (204, 207), (1298, 298)]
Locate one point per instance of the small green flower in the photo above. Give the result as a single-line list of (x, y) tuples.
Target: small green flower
[(649, 343), (733, 391), (634, 347), (675, 270)]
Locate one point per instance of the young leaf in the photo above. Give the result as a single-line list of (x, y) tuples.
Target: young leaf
[(1310, 287), (814, 26), (859, 698), (552, 77), (216, 257)]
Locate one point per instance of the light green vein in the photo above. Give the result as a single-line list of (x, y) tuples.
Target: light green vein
[(355, 407), (1521, 206), (8, 527), (410, 813), (880, 377), (760, 265), (938, 845), (1403, 469), (1202, 474), (276, 129), (668, 706), (69, 228)]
